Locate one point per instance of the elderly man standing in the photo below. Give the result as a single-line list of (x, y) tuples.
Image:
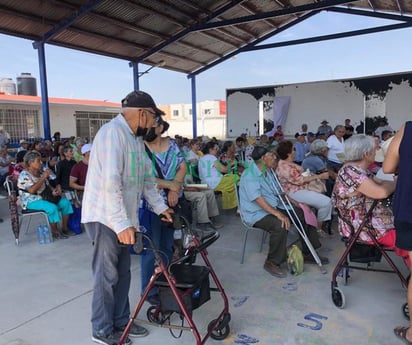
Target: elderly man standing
[(118, 175)]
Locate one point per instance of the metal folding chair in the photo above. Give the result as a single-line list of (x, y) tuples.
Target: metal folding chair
[(9, 186), (247, 227)]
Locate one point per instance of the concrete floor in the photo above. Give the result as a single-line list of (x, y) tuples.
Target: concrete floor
[(46, 294)]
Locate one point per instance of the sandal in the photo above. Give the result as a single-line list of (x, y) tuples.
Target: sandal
[(400, 332)]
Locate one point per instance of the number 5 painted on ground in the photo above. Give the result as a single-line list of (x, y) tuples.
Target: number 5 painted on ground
[(314, 318)]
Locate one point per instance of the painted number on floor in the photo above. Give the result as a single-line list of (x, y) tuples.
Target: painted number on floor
[(315, 318)]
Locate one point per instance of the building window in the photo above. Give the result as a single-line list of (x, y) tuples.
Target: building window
[(175, 113), (20, 123), (190, 111), (207, 111), (88, 123)]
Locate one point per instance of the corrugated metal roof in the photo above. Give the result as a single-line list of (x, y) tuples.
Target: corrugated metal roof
[(182, 35)]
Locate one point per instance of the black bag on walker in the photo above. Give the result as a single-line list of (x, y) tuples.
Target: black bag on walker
[(364, 253), (192, 283)]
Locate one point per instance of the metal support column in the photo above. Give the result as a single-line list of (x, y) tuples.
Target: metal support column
[(136, 74), (194, 107), (44, 93)]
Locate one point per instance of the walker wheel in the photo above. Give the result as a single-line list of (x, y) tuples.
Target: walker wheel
[(338, 297), (154, 315), (405, 310), (218, 333)]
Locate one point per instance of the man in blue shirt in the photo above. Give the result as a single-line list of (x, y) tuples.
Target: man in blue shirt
[(261, 207), (301, 148)]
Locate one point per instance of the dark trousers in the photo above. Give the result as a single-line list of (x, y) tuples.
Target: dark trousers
[(310, 232), (111, 275), (277, 240), (278, 236)]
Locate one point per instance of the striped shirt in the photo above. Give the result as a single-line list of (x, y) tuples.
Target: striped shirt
[(119, 174)]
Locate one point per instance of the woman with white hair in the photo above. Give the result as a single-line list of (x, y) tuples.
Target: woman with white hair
[(355, 190), (317, 162)]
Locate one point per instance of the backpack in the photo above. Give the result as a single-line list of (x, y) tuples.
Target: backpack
[(295, 260)]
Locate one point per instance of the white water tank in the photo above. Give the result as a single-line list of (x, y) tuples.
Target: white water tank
[(7, 86), (26, 85)]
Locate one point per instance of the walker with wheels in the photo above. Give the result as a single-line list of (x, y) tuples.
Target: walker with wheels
[(183, 287)]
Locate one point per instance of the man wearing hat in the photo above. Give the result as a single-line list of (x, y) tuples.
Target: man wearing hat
[(79, 172), (261, 207), (325, 129), (118, 174), (23, 145)]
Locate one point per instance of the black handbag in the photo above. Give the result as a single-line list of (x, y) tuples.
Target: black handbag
[(47, 194)]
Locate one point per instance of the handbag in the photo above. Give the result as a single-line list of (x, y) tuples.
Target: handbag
[(183, 206), (317, 186), (47, 194)]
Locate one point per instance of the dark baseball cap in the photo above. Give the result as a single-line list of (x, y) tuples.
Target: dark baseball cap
[(258, 152), (140, 99)]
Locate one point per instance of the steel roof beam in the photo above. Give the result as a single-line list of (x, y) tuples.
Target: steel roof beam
[(374, 14), (128, 26), (372, 4), (203, 10), (329, 37), (261, 16), (188, 30), (66, 22), (263, 38), (400, 6), (90, 34)]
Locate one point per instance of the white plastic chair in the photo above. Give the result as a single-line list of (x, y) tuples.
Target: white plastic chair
[(247, 227)]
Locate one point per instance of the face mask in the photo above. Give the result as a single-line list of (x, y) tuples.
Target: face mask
[(141, 131), (150, 135)]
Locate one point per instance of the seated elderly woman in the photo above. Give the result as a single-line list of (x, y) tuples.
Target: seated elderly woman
[(32, 182), (296, 184), (218, 176), (317, 162), (356, 188)]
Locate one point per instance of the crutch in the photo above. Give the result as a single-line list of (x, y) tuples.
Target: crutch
[(293, 216)]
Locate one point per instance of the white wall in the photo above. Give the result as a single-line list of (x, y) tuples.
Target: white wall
[(387, 95)]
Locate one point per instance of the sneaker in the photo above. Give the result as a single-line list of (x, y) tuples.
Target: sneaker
[(309, 259), (135, 331), (153, 299), (112, 339), (274, 269)]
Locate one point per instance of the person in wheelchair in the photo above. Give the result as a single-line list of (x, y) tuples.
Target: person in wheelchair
[(355, 190)]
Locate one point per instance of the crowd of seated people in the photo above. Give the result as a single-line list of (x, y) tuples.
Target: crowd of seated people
[(32, 162)]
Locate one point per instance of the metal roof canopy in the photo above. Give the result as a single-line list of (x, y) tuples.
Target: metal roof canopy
[(185, 36)]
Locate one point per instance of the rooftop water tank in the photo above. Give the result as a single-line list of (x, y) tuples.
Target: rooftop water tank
[(7, 86), (26, 85)]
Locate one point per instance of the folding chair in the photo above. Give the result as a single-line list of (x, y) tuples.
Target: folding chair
[(247, 227), (8, 184)]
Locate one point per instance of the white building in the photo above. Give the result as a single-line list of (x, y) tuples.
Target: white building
[(21, 116)]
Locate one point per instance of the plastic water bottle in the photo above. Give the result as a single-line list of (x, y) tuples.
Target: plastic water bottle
[(46, 234), (187, 240), (40, 235)]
